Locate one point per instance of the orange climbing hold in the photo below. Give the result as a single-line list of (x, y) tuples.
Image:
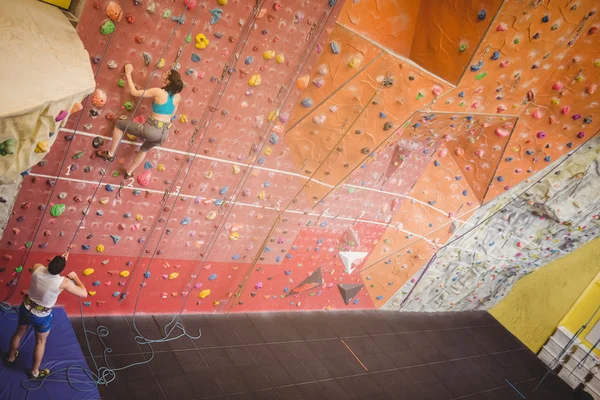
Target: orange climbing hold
[(302, 82), (114, 12)]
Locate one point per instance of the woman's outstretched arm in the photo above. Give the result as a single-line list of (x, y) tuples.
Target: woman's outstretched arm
[(132, 89)]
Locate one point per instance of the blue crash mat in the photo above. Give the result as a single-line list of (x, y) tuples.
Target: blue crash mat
[(62, 352)]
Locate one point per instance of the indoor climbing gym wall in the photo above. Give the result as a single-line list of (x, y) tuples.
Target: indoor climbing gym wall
[(326, 155)]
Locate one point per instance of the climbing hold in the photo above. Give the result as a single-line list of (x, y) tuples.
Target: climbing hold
[(107, 28), (100, 248), (201, 41), (280, 59), (138, 217), (481, 15), (581, 135), (115, 238), (267, 55), (204, 294), (254, 80), (57, 210), (212, 277), (173, 275), (124, 274), (144, 178), (307, 102), (196, 57), (462, 47), (387, 126), (189, 4), (216, 13), (502, 27), (185, 221), (41, 147), (88, 271), (335, 47), (148, 165), (302, 82)]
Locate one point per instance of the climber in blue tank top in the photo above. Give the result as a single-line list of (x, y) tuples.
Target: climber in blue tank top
[(156, 128)]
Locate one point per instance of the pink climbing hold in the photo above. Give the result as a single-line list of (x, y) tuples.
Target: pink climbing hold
[(437, 90), (502, 27), (591, 88), (565, 110), (502, 132), (536, 115), (61, 115), (144, 178), (443, 152), (99, 98), (558, 86), (479, 153), (190, 4), (541, 135)]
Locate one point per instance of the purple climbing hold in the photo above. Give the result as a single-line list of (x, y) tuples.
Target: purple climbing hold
[(61, 115), (109, 188)]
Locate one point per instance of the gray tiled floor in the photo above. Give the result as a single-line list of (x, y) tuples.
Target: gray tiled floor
[(321, 355)]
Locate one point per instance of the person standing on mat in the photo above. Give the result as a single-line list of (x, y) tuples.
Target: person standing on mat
[(36, 309), (156, 128)]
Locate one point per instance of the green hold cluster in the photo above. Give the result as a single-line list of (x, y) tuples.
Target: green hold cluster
[(7, 147)]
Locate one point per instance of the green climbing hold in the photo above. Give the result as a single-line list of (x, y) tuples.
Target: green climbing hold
[(19, 269), (28, 244), (351, 190), (77, 155), (517, 40), (480, 76), (188, 38), (462, 47), (128, 105), (107, 28), (461, 104), (167, 13), (120, 83), (406, 124), (116, 173), (420, 96), (57, 209)]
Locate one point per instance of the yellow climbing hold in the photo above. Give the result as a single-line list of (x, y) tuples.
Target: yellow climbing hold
[(201, 41), (100, 248), (208, 174), (354, 62), (130, 136), (173, 275), (138, 217), (204, 294), (161, 63), (91, 292), (160, 167), (211, 215), (183, 118), (88, 271), (216, 303), (261, 195), (222, 2), (42, 147), (267, 55), (124, 274), (254, 80), (103, 200), (268, 150), (234, 236), (280, 59), (273, 115), (236, 169)]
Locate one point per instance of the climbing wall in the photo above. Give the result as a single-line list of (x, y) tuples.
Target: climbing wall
[(311, 165)]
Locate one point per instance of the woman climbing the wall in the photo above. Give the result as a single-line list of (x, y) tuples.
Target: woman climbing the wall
[(156, 128)]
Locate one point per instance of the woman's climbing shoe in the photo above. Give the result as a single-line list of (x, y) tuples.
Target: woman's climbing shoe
[(104, 155), (9, 363), (128, 175), (41, 375)]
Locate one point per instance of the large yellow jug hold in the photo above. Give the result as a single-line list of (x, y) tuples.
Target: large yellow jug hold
[(100, 248), (201, 41), (204, 294), (254, 80), (173, 275), (124, 274), (267, 55), (88, 271), (280, 59)]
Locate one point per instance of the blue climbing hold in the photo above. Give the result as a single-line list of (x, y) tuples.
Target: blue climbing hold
[(436, 163), (278, 259), (136, 192), (317, 249), (185, 221), (294, 247), (289, 256), (85, 246), (323, 224), (508, 159), (235, 257), (212, 277), (274, 138), (476, 67), (426, 151), (335, 48), (529, 152), (545, 19), (495, 55), (481, 15), (116, 294), (355, 301), (218, 202), (547, 158), (267, 184), (147, 274), (248, 60), (306, 102), (288, 272), (458, 178), (196, 57), (417, 125), (87, 303), (224, 190), (261, 161), (115, 238), (148, 165), (99, 213), (500, 179), (320, 241), (470, 118), (267, 249), (96, 283), (465, 193), (332, 3), (216, 15), (382, 115), (461, 94), (286, 289), (379, 297), (432, 202), (109, 188), (127, 215), (570, 144)]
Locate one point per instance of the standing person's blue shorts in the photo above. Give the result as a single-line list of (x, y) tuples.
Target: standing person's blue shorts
[(40, 324)]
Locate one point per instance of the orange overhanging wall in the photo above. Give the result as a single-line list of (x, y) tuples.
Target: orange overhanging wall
[(345, 137)]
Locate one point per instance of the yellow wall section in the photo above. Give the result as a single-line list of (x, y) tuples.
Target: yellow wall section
[(60, 3), (582, 311), (539, 301)]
